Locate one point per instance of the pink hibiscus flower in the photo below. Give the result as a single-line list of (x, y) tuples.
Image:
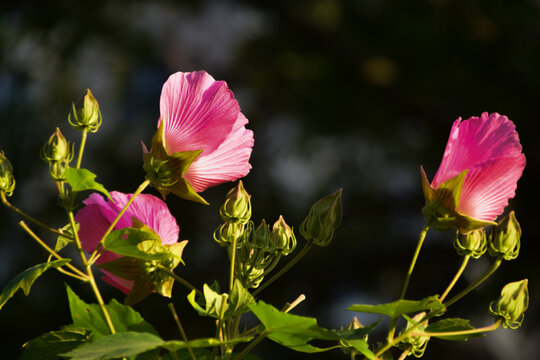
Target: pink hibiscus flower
[(98, 214), (483, 160), (201, 120)]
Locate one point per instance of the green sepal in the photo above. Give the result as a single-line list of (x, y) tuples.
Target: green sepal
[(442, 203), (166, 171), (26, 279), (50, 345), (213, 304), (83, 179), (400, 307)]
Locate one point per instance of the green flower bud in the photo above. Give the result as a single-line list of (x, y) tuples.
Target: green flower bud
[(227, 233), (473, 243), (56, 149), (505, 242), (7, 181), (511, 305), (86, 116), (416, 344), (58, 154), (237, 206), (323, 218), (261, 238), (283, 237)]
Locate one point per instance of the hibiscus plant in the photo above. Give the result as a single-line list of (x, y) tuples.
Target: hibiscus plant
[(202, 141)]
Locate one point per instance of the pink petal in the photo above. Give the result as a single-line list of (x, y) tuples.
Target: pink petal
[(230, 161), (488, 186), (474, 141), (198, 112), (152, 211), (98, 213)]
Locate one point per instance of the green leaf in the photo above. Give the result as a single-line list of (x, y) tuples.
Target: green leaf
[(183, 354), (122, 344), (91, 317), (50, 345), (361, 346), (25, 279), (62, 241), (400, 307), (292, 331), (239, 300), (137, 243), (213, 302), (83, 179), (451, 325), (126, 344)]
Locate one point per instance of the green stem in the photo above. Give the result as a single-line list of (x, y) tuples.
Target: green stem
[(466, 259), (79, 273), (233, 263), (252, 344), (471, 287), (90, 274), (139, 190), (421, 238), (181, 328), (492, 327), (179, 279), (284, 269), (81, 148), (29, 218)]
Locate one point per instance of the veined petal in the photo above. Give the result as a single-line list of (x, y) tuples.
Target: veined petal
[(198, 112), (228, 162), (489, 186), (152, 211), (475, 141)]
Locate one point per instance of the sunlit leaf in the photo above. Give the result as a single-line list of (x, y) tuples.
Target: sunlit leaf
[(83, 179)]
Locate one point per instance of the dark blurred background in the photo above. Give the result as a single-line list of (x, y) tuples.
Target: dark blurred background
[(340, 94)]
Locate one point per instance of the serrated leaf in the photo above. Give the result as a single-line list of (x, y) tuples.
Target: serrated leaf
[(83, 179), (122, 344), (292, 331), (400, 307), (50, 345), (25, 279), (90, 316), (451, 325)]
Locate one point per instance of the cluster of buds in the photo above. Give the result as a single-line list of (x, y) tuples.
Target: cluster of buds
[(261, 251), (58, 154), (323, 218), (86, 116), (236, 214), (505, 241), (511, 305), (7, 181)]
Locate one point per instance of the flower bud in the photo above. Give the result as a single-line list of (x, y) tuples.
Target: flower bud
[(511, 305), (473, 243), (56, 149), (261, 238), (86, 116), (505, 242), (228, 232), (416, 344), (323, 218), (7, 181), (283, 237), (237, 206)]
